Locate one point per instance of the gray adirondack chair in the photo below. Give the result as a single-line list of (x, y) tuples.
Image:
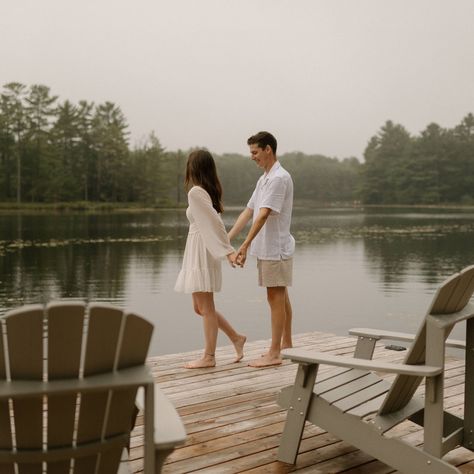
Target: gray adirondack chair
[(69, 377), (359, 407)]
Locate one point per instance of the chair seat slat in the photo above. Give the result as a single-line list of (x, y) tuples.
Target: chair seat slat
[(334, 382), (351, 387), (362, 396)]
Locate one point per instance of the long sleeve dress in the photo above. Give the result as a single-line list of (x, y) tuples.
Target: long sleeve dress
[(206, 245)]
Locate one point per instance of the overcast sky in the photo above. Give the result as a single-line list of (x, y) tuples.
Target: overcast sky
[(322, 75)]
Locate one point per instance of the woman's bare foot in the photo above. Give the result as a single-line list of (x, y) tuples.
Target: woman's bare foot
[(266, 360), (239, 348), (207, 361)]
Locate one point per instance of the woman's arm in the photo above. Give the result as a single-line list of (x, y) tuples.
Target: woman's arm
[(209, 223)]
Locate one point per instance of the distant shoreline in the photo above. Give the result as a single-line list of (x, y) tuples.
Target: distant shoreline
[(82, 206)]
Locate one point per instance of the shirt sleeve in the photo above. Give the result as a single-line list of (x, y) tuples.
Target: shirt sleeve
[(274, 194), (209, 223), (251, 203)]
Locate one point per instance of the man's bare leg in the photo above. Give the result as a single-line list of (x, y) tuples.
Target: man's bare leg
[(276, 299), (286, 340)]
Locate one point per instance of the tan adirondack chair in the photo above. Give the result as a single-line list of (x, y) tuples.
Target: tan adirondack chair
[(359, 407), (68, 382)]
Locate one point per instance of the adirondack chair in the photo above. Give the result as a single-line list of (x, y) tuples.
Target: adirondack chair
[(68, 382), (359, 407)]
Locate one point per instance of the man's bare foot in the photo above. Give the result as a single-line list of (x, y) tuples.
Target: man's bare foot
[(206, 361), (265, 361), (239, 348), (283, 346)]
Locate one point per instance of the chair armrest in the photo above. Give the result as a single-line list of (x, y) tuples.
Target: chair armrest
[(398, 336), (313, 357), (169, 429), (124, 378)]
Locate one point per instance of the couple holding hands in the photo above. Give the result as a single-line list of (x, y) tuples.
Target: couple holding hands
[(268, 239)]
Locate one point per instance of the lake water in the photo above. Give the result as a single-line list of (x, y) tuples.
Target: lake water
[(376, 268)]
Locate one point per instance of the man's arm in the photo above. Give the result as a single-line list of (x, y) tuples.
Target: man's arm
[(259, 222), (241, 222)]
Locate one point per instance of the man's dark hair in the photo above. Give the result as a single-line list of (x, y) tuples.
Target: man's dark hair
[(262, 139)]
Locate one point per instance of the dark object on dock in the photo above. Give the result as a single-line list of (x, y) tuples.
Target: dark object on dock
[(394, 347)]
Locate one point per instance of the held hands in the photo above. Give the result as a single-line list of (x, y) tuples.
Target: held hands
[(238, 258), (231, 259), (241, 256)]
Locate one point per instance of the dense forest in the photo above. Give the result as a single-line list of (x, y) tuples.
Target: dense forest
[(58, 151), (436, 167)]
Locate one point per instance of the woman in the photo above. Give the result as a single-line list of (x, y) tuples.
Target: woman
[(206, 245)]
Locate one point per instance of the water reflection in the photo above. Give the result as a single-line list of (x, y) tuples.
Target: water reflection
[(352, 268), (426, 246), (67, 256)]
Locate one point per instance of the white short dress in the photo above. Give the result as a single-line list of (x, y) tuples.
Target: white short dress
[(206, 245)]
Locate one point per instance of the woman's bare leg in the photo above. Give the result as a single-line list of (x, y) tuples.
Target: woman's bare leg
[(237, 339), (204, 306)]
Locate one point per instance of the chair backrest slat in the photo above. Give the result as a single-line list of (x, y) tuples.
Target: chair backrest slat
[(133, 351), (5, 421), (466, 292), (136, 340), (452, 296), (25, 342), (65, 330), (5, 431), (25, 353), (103, 338), (85, 465), (3, 367)]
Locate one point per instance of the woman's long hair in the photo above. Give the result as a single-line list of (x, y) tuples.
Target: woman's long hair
[(201, 171)]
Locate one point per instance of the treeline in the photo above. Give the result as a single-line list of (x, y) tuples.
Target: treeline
[(58, 151), (317, 179), (436, 167), (53, 151)]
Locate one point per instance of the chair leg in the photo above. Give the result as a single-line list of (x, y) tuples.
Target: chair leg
[(297, 411), (160, 457), (365, 347), (468, 441), (434, 413)]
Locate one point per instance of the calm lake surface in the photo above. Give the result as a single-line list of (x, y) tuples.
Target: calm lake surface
[(352, 267)]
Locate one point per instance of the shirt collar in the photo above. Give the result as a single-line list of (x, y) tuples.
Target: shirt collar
[(272, 170)]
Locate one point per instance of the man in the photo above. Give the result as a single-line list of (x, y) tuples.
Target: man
[(270, 240)]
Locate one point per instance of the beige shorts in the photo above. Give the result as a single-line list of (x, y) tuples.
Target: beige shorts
[(275, 272)]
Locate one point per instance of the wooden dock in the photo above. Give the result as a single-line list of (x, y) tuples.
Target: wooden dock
[(234, 424)]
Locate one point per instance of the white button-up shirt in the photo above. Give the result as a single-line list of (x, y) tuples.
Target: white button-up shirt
[(274, 190)]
